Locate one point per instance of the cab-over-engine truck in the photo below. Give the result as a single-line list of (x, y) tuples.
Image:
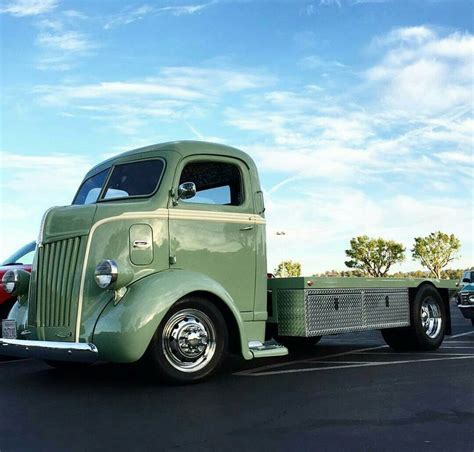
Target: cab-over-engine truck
[(162, 257)]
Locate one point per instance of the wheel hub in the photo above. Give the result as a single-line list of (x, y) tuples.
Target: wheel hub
[(189, 340), (431, 318)]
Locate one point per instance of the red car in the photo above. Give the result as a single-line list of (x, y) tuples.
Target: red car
[(22, 259)]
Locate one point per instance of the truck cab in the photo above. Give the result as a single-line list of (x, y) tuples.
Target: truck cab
[(177, 222), (161, 257)]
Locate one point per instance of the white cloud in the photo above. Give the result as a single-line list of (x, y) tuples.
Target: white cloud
[(175, 93), (423, 72), (61, 45), (130, 15), (22, 8), (70, 41)]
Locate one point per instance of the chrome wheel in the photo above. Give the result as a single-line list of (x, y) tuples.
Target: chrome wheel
[(431, 318), (189, 340)]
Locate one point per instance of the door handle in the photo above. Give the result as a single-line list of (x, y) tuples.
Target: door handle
[(247, 228), (140, 244)]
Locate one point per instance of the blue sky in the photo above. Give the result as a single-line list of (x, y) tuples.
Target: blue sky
[(358, 112)]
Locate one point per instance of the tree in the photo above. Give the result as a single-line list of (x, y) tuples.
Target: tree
[(286, 269), (451, 273), (374, 257), (436, 251)]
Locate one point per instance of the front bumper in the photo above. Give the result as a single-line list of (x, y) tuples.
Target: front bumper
[(58, 351), (467, 310)]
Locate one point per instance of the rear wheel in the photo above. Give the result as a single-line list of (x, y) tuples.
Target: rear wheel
[(428, 316), (190, 343)]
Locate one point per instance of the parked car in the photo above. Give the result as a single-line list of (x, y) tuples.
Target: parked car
[(465, 301), (23, 259), (467, 278)]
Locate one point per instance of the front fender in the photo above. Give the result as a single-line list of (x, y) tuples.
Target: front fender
[(124, 331)]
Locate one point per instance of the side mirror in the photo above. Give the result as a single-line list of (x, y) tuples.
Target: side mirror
[(187, 190), (466, 280)]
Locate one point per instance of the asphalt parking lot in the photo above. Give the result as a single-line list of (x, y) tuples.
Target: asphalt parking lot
[(350, 392)]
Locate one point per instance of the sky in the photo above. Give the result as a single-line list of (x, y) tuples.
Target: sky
[(358, 113)]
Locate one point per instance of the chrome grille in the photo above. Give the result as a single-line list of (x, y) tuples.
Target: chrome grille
[(55, 283), (465, 297)]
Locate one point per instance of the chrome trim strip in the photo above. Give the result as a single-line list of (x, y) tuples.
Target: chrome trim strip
[(465, 306), (60, 351)]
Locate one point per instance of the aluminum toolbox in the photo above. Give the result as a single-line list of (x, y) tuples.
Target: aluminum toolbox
[(314, 309)]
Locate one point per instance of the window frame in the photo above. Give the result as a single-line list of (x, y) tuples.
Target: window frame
[(111, 169), (247, 203)]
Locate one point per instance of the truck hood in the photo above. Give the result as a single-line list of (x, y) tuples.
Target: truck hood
[(468, 288)]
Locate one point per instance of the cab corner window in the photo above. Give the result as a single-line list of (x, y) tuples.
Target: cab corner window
[(217, 183), (91, 188)]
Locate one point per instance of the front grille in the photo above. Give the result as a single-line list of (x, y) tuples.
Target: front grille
[(56, 269), (465, 298)]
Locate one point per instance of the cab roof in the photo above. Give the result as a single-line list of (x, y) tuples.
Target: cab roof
[(184, 148)]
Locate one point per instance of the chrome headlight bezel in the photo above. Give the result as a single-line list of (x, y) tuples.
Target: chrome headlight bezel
[(106, 274), (10, 281)]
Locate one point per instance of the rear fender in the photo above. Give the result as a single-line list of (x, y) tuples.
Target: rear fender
[(124, 330)]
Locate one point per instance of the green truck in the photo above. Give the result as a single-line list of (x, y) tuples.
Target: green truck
[(161, 257)]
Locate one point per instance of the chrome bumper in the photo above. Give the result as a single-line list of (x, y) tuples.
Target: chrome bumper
[(467, 310), (59, 351)]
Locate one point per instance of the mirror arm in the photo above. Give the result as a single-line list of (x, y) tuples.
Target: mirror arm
[(174, 196)]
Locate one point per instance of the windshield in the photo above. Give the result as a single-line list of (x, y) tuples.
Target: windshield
[(128, 180), (24, 256)]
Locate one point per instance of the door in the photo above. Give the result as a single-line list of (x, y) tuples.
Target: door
[(214, 232)]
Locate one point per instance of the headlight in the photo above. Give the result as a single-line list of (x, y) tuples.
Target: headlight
[(106, 273), (471, 298), (10, 281)]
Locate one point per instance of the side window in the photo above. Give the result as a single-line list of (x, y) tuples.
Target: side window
[(217, 183)]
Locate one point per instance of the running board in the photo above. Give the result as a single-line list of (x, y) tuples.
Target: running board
[(267, 349)]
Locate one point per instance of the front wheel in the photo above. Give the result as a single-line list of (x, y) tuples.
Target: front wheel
[(429, 319), (190, 343)]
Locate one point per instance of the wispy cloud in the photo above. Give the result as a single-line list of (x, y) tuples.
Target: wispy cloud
[(130, 15), (21, 8), (316, 62), (176, 92), (315, 7), (61, 43)]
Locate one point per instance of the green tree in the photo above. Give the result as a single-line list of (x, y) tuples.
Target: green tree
[(287, 269), (435, 251), (451, 273), (374, 256)]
